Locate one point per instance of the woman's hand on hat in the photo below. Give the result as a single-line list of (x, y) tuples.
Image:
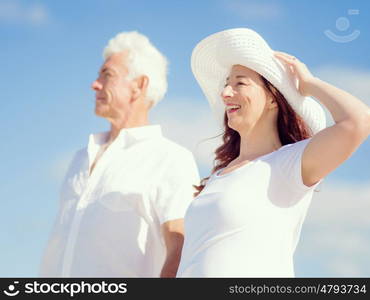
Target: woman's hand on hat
[(299, 70)]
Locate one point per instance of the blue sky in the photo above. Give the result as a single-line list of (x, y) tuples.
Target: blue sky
[(51, 52)]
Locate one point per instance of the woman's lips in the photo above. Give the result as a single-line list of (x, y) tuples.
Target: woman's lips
[(231, 108)]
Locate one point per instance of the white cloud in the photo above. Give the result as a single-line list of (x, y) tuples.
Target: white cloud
[(336, 251), (341, 203), (353, 80), (337, 228), (341, 267), (17, 12), (255, 10), (37, 14)]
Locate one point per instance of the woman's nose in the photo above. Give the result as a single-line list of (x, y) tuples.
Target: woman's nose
[(227, 92)]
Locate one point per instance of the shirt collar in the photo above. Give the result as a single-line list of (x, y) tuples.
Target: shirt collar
[(127, 136)]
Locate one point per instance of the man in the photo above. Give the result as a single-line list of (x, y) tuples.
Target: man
[(125, 195)]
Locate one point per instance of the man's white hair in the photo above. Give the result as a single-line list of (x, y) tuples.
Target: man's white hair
[(143, 59)]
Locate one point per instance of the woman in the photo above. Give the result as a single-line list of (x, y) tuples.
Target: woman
[(247, 216)]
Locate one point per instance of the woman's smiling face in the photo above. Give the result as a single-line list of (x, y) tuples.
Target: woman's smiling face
[(246, 101)]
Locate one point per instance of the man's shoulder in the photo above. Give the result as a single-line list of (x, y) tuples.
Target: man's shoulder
[(180, 162), (78, 157), (80, 153), (172, 148)]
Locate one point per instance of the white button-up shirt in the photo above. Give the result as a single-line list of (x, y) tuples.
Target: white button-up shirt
[(108, 223)]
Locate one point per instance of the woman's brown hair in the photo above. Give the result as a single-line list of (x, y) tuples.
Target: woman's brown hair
[(291, 129)]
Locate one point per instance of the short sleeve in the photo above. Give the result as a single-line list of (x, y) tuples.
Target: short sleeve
[(290, 166), (175, 190)]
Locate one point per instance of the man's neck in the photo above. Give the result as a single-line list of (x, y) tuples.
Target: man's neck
[(117, 127)]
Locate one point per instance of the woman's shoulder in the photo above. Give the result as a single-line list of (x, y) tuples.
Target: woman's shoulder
[(295, 145), (290, 151)]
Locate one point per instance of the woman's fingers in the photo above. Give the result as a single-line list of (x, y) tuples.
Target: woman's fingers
[(284, 54), (290, 59), (296, 68)]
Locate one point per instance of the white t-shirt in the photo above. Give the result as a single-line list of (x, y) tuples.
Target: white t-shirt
[(108, 223), (247, 223)]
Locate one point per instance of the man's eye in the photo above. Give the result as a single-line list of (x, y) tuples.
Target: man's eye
[(241, 83), (107, 74)]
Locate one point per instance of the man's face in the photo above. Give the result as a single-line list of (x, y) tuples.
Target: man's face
[(113, 91)]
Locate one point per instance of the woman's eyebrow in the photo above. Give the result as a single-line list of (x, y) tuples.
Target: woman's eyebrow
[(238, 77)]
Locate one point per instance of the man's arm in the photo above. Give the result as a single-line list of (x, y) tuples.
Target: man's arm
[(173, 233)]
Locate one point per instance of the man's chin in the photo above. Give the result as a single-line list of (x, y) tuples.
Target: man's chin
[(100, 113)]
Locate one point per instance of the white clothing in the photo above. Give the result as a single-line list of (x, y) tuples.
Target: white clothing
[(108, 223), (247, 223)]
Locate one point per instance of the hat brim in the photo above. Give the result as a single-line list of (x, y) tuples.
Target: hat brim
[(214, 56)]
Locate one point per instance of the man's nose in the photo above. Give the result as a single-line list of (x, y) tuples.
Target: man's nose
[(227, 92), (96, 85)]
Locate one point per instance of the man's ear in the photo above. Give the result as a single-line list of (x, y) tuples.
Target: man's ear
[(141, 85)]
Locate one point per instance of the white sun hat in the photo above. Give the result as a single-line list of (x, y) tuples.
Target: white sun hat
[(214, 56)]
